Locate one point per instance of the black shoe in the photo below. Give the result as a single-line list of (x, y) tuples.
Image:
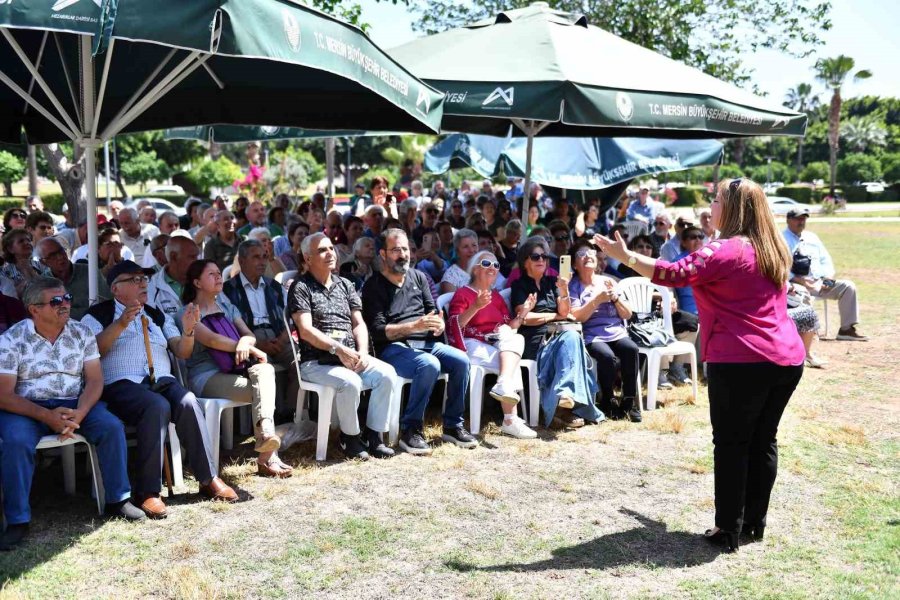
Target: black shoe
[(124, 510), (413, 442), (377, 447), (352, 446), (725, 539), (459, 436), (632, 410), (13, 536), (753, 533)]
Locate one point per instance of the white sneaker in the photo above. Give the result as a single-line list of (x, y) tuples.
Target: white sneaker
[(501, 392), (517, 429), (663, 381)]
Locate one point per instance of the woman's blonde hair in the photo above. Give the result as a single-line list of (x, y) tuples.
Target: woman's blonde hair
[(745, 212)]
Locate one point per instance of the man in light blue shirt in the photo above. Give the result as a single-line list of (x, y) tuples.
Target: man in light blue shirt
[(644, 208), (818, 276)]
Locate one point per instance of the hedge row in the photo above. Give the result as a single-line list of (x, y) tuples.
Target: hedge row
[(690, 195), (808, 195)]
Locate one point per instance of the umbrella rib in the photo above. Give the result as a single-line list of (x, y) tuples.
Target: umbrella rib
[(102, 93), (175, 76), (37, 63), (137, 93), (65, 67), (27, 97), (214, 77), (36, 77)]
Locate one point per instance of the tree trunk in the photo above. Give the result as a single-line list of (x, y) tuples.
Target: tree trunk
[(7, 188), (738, 151), (32, 172), (72, 189), (799, 158), (834, 135)]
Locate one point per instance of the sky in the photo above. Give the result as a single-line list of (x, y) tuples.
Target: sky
[(866, 30)]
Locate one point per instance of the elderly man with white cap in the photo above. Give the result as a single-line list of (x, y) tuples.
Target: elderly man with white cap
[(644, 208)]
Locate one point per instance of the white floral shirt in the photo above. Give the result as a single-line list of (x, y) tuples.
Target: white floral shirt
[(44, 370)]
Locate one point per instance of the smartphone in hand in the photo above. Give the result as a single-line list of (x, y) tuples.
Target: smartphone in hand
[(565, 266)]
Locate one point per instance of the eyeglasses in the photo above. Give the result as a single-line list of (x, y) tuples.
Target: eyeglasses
[(537, 257), (18, 215), (137, 280), (56, 301), (54, 255), (561, 238), (398, 250), (694, 237), (45, 227), (487, 264), (658, 223), (585, 252), (431, 211)]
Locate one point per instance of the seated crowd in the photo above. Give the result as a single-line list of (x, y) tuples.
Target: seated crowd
[(404, 289)]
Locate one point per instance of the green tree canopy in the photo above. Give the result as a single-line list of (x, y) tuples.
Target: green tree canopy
[(143, 167), (858, 168), (12, 169), (210, 174)]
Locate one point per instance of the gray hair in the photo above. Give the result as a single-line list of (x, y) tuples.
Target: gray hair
[(34, 291), (479, 256), (169, 215), (406, 205), (128, 210), (315, 238), (258, 231), (525, 250), (462, 234), (514, 225), (245, 247), (175, 244), (52, 239), (356, 245)]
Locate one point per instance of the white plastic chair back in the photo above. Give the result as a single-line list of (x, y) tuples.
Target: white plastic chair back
[(443, 301), (285, 276), (635, 228), (226, 273), (507, 297), (639, 291)]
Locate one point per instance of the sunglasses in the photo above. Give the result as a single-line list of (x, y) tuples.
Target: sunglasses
[(584, 252), (56, 301), (18, 215), (695, 237), (537, 257), (487, 264), (734, 184)]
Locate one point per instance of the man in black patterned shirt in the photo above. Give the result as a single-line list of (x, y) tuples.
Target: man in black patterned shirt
[(326, 311)]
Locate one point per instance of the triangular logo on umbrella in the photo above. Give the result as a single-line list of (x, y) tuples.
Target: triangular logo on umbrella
[(291, 29), (64, 4), (506, 95), (422, 99)]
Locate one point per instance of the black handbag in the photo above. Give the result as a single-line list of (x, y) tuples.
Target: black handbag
[(801, 265), (648, 331)]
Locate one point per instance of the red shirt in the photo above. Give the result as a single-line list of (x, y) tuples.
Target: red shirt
[(743, 315), (485, 320)]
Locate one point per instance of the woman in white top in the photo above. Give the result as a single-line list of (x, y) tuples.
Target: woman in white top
[(465, 242)]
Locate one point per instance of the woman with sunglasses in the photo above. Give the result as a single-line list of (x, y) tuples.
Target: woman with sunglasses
[(20, 266), (603, 314), (753, 352), (14, 218), (253, 383), (479, 324), (567, 385)]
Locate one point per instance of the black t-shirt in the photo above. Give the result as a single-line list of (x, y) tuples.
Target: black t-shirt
[(331, 310), (546, 303), (509, 259), (387, 304)]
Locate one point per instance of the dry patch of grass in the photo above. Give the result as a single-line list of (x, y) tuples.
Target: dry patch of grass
[(187, 583), (667, 420), (482, 488), (845, 435), (182, 550)]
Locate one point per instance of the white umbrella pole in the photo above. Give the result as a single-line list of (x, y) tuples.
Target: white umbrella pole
[(526, 190), (106, 169), (90, 185), (329, 167)]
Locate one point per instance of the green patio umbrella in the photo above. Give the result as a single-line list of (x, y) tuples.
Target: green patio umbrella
[(572, 163), (551, 72), (86, 70), (235, 134)]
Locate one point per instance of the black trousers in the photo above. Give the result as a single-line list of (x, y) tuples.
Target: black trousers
[(746, 401), (150, 412), (607, 354)]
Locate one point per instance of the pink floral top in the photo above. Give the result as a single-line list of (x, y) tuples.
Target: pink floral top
[(743, 315), (485, 320)]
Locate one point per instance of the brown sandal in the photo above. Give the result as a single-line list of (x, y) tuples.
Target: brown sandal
[(566, 420), (274, 468)]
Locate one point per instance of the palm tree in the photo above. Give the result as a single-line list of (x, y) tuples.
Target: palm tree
[(802, 99), (833, 72), (864, 132)]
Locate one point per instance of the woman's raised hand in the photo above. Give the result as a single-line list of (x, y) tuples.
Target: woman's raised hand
[(615, 248)]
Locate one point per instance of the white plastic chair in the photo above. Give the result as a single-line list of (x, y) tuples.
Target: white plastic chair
[(67, 447), (635, 228), (226, 273), (639, 291), (285, 276), (824, 302), (219, 424)]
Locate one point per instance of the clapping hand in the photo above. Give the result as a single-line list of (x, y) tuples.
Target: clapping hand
[(615, 248), (190, 318), (482, 299), (528, 305), (430, 322)]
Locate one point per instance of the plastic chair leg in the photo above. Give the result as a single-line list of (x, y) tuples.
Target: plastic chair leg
[(97, 479), (653, 361), (177, 469), (694, 375), (394, 423), (476, 392), (226, 431), (68, 461), (326, 399), (534, 393), (301, 413), (214, 413)]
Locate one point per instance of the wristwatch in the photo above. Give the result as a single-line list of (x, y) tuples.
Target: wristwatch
[(333, 349), (632, 260)]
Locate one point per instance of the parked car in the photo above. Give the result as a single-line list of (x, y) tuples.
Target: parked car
[(872, 187), (160, 205), (780, 205), (166, 189)]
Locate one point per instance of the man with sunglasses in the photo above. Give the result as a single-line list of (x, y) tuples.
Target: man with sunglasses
[(74, 276), (148, 399), (50, 382), (407, 328), (660, 233)]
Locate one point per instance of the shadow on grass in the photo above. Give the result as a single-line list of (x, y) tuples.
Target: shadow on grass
[(651, 544)]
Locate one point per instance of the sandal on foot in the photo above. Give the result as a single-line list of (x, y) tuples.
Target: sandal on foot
[(274, 468)]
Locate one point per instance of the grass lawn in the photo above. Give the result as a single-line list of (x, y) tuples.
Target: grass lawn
[(607, 511)]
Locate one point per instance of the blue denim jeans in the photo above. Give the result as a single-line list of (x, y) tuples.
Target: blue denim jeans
[(563, 371), (19, 437), (424, 367)]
